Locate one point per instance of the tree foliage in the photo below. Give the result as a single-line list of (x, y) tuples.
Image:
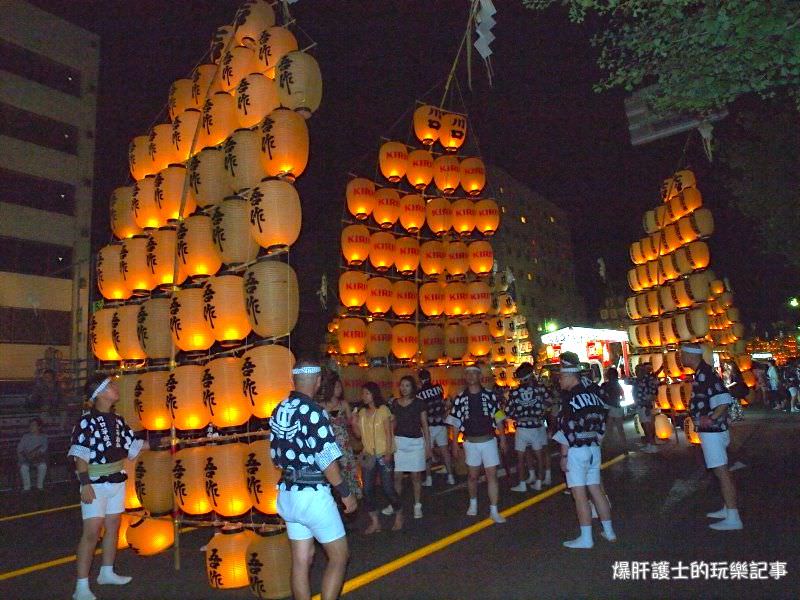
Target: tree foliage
[(698, 55)]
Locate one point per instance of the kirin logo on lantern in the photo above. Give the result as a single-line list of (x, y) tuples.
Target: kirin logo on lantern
[(487, 212), (380, 337), (406, 295), (381, 293), (389, 201), (449, 168), (353, 335), (422, 162), (483, 254), (355, 286), (441, 212), (406, 339), (464, 212), (409, 251), (397, 154), (476, 170), (358, 239)]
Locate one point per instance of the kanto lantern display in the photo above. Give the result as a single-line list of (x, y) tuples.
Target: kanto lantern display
[(226, 479), (427, 124), (189, 486), (473, 176), (284, 144), (447, 173), (355, 244), (360, 197), (266, 376), (149, 536), (419, 169), (299, 82), (224, 308), (226, 558), (393, 161), (272, 298)]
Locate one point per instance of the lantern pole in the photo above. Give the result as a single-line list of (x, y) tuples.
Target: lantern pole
[(472, 11)]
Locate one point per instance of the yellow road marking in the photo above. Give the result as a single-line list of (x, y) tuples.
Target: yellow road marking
[(64, 560), (398, 563), (39, 512)]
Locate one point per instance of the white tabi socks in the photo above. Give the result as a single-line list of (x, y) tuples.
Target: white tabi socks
[(718, 514), (548, 480), (473, 507), (108, 577), (608, 531), (495, 516), (582, 541), (82, 591), (731, 522)]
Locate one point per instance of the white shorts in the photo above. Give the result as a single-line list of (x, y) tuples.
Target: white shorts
[(109, 499), (714, 445), (409, 456), (583, 466), (438, 436), (310, 513), (481, 453), (645, 415), (616, 411), (535, 437)]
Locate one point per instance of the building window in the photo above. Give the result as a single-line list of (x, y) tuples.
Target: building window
[(35, 258), (35, 67), (552, 219), (523, 220), (27, 190), (530, 276), (35, 326), (39, 130)]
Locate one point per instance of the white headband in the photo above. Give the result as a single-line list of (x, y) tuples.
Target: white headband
[(570, 369), (306, 370), (691, 350), (472, 368), (101, 388)]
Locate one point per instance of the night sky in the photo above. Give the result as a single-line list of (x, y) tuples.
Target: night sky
[(540, 121)]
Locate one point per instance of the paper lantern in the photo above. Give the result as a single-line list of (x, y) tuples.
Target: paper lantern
[(123, 218), (393, 160), (744, 362), (473, 176), (447, 173), (481, 257), (381, 250), (189, 329), (427, 124), (131, 499), (405, 340), (431, 299), (455, 379), (479, 341), (273, 44), (269, 562), (685, 292), (685, 202), (226, 558), (419, 170), (126, 405), (480, 297), (185, 134), (253, 17), (256, 97), (487, 216), (679, 395), (146, 212), (170, 190), (697, 225), (272, 298), (150, 536), (360, 197), (243, 168), (354, 377), (267, 377), (404, 303), (207, 177), (231, 231), (692, 257), (110, 282), (180, 97), (205, 83), (380, 295), (101, 335), (284, 144), (237, 62), (139, 160), (456, 261), (161, 248), (453, 131), (352, 335), (432, 257), (506, 306), (682, 180), (412, 212), (188, 480), (663, 426), (299, 82), (162, 151), (406, 255), (353, 289), (379, 338), (219, 42), (154, 481), (456, 299), (382, 376), (669, 331), (197, 253), (275, 214), (185, 398), (262, 477), (750, 379), (217, 119), (123, 332), (439, 215), (431, 342), (149, 399), (387, 207), (463, 216), (154, 338), (224, 308), (223, 393)]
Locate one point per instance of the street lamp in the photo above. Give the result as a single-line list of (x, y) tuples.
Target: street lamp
[(551, 326), (794, 302)]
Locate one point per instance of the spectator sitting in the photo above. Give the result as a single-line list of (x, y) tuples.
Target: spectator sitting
[(46, 394), (32, 450)]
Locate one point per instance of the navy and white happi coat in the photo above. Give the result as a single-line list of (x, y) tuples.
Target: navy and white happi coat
[(583, 418), (708, 392), (527, 404), (102, 438)]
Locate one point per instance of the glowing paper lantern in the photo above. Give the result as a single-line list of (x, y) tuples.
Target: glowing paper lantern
[(162, 151), (269, 563), (207, 177), (419, 170), (253, 17), (169, 193), (393, 160), (697, 225), (153, 336), (456, 262), (267, 378), (205, 83), (427, 124), (139, 160), (479, 341), (226, 479), (256, 97), (123, 218), (481, 257), (161, 258), (487, 216), (185, 398), (123, 332), (110, 282), (463, 216), (431, 342), (224, 309), (275, 214), (473, 176), (153, 481), (243, 166), (406, 255), (190, 331), (188, 480), (299, 82), (237, 62), (453, 131), (360, 197), (272, 298), (404, 303), (455, 340), (231, 231), (352, 335), (431, 299), (456, 299), (353, 289), (405, 340), (381, 250), (273, 44), (146, 212), (180, 97), (480, 297), (184, 128), (149, 400), (101, 334), (438, 215), (284, 144), (262, 477), (383, 377), (380, 295), (223, 393), (432, 257), (412, 212), (150, 536), (217, 119), (447, 173), (197, 253), (131, 499), (126, 405), (387, 207), (354, 377), (692, 257), (379, 338)]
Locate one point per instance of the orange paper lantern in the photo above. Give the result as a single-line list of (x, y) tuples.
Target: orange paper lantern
[(205, 83), (455, 340), (412, 212), (190, 331), (150, 536), (185, 398), (456, 262), (146, 212), (432, 257), (480, 297), (226, 479), (360, 197), (173, 197), (406, 255), (284, 144), (272, 298), (380, 295), (481, 257), (463, 216), (379, 338), (188, 480), (427, 123), (487, 216), (431, 342), (243, 167), (419, 171), (299, 82), (237, 62), (387, 207), (267, 377), (447, 173), (110, 282), (473, 176), (456, 299), (256, 97), (123, 218), (453, 131), (231, 231), (262, 477), (197, 253), (155, 339), (405, 340), (381, 250), (150, 400), (224, 308), (123, 332), (207, 177), (185, 135), (479, 341), (355, 244), (217, 119), (404, 303), (393, 160), (275, 214), (431, 299), (223, 393), (154, 481), (352, 335), (439, 215), (101, 335), (273, 44), (353, 289)]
